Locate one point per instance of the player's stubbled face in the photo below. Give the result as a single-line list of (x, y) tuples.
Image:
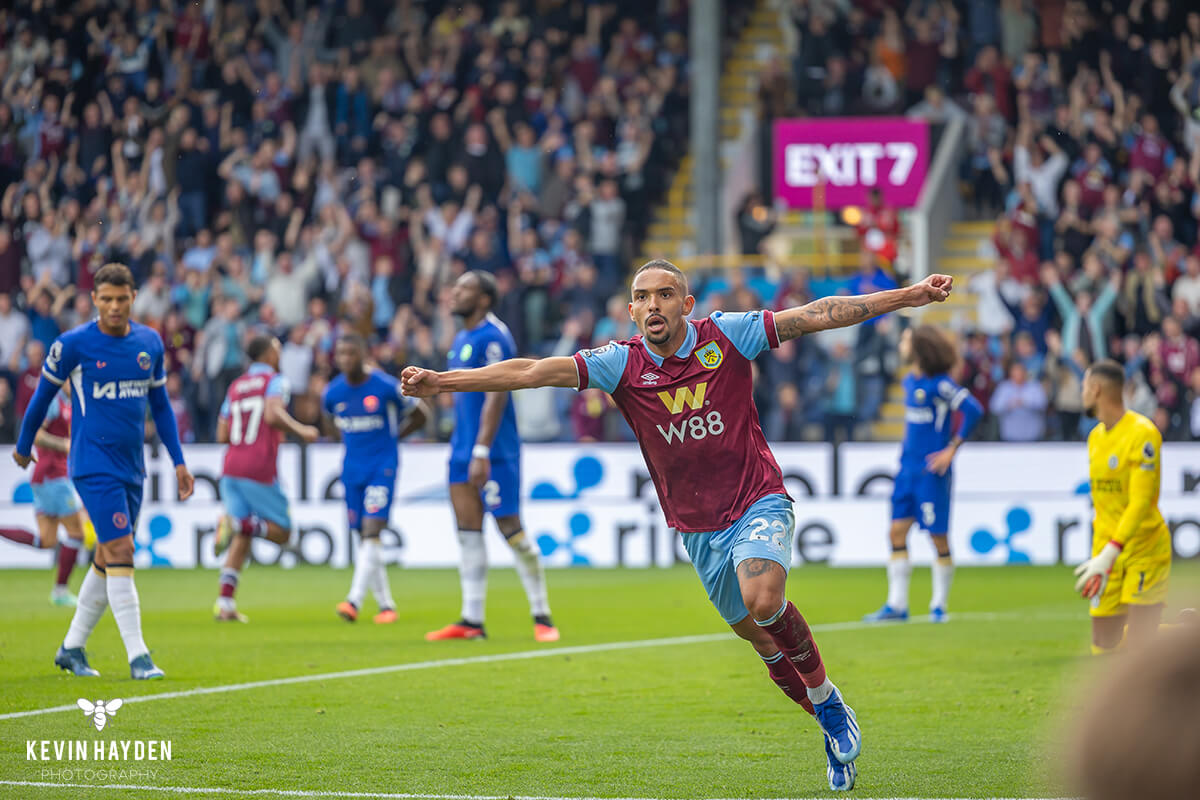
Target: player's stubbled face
[(464, 297), (348, 358), (658, 305), (113, 304)]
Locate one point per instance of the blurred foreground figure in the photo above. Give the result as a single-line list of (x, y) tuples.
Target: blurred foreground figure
[(1139, 735)]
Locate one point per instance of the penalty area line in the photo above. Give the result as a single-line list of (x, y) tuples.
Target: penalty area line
[(522, 655), (218, 790)]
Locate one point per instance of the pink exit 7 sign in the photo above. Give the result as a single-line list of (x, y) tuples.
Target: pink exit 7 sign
[(850, 156)]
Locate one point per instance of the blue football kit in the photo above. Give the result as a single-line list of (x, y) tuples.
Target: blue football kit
[(114, 379), (487, 343), (370, 416), (930, 403)]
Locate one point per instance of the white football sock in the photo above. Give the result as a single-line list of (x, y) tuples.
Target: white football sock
[(820, 693), (899, 571), (92, 600), (379, 581), (533, 578), (364, 570), (943, 576), (472, 573), (123, 597)]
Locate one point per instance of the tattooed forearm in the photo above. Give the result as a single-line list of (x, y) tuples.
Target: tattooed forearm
[(835, 312)]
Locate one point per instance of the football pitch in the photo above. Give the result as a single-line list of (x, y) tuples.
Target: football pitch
[(647, 695)]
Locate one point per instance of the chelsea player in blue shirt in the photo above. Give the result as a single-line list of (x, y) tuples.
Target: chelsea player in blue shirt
[(115, 367), (485, 466), (924, 482), (368, 408)]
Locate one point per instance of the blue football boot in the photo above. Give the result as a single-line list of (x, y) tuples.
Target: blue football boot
[(74, 661), (887, 614), (838, 722), (841, 776), (143, 669)]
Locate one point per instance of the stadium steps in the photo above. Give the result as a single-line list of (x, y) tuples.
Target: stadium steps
[(966, 252), (888, 431), (672, 230)]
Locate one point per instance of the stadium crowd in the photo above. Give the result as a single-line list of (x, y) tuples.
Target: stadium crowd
[(312, 169), (1083, 141)]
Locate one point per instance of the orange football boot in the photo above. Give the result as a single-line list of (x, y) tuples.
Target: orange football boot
[(545, 633), (456, 630)]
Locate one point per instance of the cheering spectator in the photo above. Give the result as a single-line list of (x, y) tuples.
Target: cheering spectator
[(1084, 318)]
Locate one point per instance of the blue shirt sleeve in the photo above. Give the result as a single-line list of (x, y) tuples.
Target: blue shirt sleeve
[(605, 366), (52, 413), (492, 345), (160, 367), (61, 360), (746, 330), (279, 387), (165, 424), (491, 351), (224, 413), (326, 403), (961, 399)]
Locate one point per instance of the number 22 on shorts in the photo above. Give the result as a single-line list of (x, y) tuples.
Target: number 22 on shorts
[(778, 536)]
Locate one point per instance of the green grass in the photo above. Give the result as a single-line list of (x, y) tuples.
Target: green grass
[(961, 710)]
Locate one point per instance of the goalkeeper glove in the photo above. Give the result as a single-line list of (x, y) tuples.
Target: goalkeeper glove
[(1093, 573)]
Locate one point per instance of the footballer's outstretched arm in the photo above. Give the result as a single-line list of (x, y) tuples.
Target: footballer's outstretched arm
[(505, 376), (840, 312)]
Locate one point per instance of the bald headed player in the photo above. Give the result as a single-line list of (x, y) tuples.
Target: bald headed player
[(1126, 577), (485, 467), (685, 388)]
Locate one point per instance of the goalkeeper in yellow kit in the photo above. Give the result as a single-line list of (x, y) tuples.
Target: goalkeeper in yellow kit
[(1126, 577)]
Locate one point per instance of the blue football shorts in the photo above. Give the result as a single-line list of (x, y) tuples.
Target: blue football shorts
[(111, 503), (245, 498), (501, 494), (55, 498), (925, 497), (764, 531), (371, 500)]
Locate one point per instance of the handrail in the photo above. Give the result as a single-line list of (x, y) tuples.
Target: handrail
[(940, 201)]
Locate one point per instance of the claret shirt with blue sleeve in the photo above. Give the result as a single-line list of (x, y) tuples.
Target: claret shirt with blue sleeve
[(111, 378), (745, 329)]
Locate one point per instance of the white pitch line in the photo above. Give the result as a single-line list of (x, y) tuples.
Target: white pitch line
[(521, 655), (364, 795)]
